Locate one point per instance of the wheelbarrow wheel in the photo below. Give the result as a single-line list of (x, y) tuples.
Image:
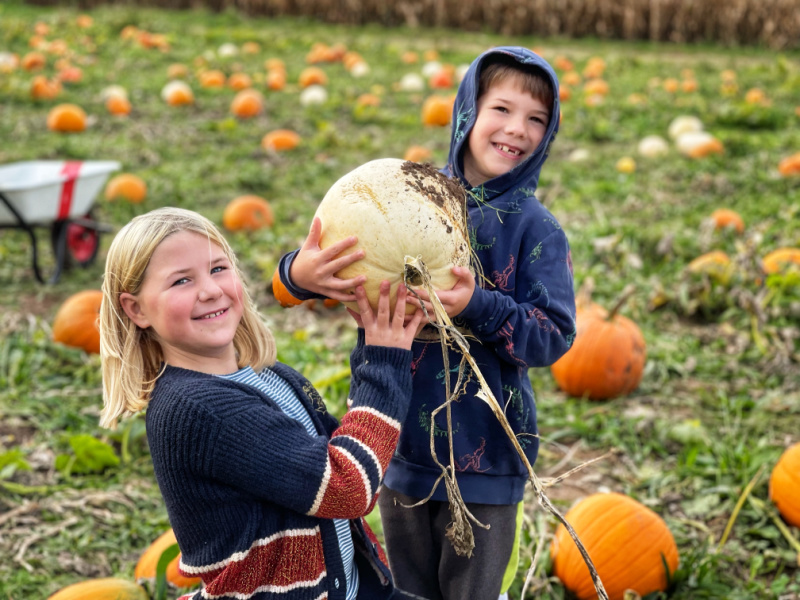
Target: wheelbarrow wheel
[(75, 242)]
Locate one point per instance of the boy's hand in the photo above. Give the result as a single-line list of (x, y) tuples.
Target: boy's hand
[(384, 328), (454, 300), (314, 269)]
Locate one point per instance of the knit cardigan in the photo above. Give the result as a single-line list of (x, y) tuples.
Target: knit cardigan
[(251, 496)]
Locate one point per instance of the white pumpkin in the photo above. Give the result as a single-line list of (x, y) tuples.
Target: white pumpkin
[(359, 69), (695, 143), (397, 208), (113, 91), (653, 146), (412, 82), (313, 94), (684, 124)]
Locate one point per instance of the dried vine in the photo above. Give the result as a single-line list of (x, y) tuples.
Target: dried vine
[(460, 531)]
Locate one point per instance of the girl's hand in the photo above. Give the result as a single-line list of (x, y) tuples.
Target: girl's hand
[(314, 269), (454, 300), (384, 328)]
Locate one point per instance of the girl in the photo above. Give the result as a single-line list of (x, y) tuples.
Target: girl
[(264, 489)]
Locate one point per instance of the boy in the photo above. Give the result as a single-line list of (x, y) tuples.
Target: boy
[(505, 117)]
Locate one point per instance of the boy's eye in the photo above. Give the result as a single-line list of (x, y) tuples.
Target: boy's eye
[(501, 108)]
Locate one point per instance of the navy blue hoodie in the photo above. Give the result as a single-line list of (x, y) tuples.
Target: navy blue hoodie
[(524, 318)]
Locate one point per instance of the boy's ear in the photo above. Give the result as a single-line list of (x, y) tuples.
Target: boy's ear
[(130, 304)]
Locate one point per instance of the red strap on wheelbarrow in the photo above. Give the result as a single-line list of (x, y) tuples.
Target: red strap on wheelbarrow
[(70, 170)]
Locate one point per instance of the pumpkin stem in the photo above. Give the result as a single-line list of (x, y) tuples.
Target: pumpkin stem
[(629, 290)]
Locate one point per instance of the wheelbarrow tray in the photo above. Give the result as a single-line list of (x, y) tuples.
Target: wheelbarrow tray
[(44, 191)]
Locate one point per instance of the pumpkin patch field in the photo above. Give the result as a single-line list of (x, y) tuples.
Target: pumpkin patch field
[(675, 174)]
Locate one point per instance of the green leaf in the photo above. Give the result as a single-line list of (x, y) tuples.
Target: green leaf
[(161, 571), (12, 461), (90, 455)]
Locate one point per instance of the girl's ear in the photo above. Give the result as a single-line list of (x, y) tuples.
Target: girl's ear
[(130, 304)]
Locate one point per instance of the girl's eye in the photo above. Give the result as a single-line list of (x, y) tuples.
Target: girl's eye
[(218, 269), (180, 281), (501, 108)]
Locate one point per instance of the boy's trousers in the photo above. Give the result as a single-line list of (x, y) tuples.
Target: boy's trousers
[(422, 559)]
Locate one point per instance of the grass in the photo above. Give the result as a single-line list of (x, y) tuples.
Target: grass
[(720, 396)]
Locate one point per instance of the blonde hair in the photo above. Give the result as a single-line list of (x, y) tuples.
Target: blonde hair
[(131, 357)]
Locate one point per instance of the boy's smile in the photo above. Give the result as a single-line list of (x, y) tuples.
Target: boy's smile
[(509, 127)]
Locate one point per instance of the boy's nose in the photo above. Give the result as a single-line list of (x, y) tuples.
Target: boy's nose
[(515, 127)]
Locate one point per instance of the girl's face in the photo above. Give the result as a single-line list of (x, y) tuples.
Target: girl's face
[(509, 127), (192, 298)]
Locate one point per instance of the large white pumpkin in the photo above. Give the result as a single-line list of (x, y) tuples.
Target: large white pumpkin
[(397, 208)]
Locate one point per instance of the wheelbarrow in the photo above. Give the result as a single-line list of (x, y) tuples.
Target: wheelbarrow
[(56, 195)]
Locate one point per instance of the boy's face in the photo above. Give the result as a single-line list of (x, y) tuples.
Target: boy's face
[(510, 125)]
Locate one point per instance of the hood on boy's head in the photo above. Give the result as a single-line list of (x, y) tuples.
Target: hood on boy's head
[(465, 111)]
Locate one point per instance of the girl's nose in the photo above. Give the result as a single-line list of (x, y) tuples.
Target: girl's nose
[(210, 290)]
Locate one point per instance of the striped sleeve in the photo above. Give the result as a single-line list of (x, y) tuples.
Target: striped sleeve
[(359, 452)]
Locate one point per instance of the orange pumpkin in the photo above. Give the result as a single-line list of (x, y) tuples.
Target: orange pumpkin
[(275, 64), (715, 262), (75, 323), (44, 89), (251, 48), (365, 100), (781, 260), (417, 154), (109, 588), (791, 164), (276, 80), (212, 79), (784, 485), (177, 93), (312, 76), (755, 96), (145, 570), (606, 359), (281, 139), (66, 118), (443, 78), (33, 61), (596, 86), (282, 295), (126, 186), (118, 105), (247, 213), (70, 74), (177, 71), (628, 543), (671, 85), (351, 59), (572, 78), (247, 103), (563, 63), (84, 21), (437, 110), (723, 218), (239, 81)]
